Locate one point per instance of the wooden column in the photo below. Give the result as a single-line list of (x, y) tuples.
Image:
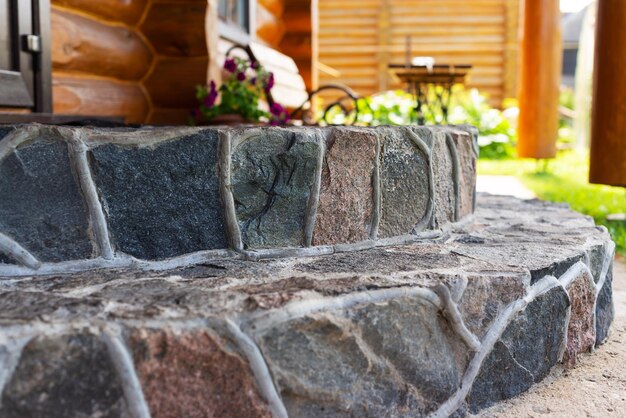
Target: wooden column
[(540, 75), (212, 40), (511, 48), (608, 120), (384, 44)]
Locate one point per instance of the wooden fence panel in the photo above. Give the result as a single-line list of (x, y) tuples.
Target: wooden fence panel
[(358, 39)]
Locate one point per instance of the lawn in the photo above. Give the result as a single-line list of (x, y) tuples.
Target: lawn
[(565, 179)]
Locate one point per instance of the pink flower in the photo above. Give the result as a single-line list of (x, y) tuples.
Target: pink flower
[(211, 97), (241, 76), (254, 65), (276, 109), (230, 65)]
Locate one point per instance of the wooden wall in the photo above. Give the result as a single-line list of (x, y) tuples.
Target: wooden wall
[(138, 59), (359, 38), (141, 59)]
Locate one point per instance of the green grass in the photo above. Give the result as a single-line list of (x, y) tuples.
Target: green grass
[(565, 179)]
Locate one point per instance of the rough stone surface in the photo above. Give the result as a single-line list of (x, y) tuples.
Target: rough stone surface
[(445, 198), (346, 203), (40, 203), (65, 376), (161, 194), (467, 172), (581, 331), (387, 354), (273, 173), (596, 254), (486, 296), (162, 201), (605, 310), (404, 178), (529, 346), (194, 373), (395, 358)]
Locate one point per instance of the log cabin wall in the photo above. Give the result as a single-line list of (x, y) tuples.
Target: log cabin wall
[(297, 41), (359, 38), (139, 59)]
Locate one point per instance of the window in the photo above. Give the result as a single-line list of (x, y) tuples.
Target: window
[(234, 20)]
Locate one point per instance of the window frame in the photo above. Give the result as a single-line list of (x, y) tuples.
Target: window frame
[(235, 33)]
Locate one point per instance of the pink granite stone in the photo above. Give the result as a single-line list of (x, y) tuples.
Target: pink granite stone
[(345, 207), (194, 374), (581, 332)]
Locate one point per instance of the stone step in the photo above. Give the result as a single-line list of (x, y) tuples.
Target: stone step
[(442, 327)]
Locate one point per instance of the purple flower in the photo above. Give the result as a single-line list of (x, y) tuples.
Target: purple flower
[(209, 101), (230, 65), (276, 109), (241, 76), (254, 65), (270, 82), (253, 81)]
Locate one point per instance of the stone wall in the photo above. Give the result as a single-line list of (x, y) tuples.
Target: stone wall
[(77, 198)]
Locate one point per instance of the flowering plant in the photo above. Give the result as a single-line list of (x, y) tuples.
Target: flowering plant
[(239, 94)]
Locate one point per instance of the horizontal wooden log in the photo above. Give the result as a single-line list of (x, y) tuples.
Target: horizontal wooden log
[(305, 73), (165, 116), (297, 21), (177, 29), (82, 95), (275, 7), (269, 27), (89, 46), (296, 46), (172, 83), (127, 11)]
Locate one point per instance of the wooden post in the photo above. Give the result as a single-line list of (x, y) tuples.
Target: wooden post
[(315, 49), (511, 48), (384, 44), (608, 120), (212, 39), (540, 75)]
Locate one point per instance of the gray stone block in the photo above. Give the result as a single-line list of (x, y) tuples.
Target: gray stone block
[(404, 178), (162, 201), (66, 376), (273, 173), (387, 359), (443, 166), (605, 310), (528, 348), (41, 206)]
